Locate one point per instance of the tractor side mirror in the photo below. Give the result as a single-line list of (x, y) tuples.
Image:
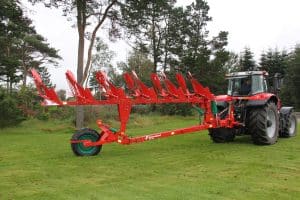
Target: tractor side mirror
[(277, 82)]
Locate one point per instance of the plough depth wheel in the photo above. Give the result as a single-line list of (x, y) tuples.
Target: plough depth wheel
[(79, 148)]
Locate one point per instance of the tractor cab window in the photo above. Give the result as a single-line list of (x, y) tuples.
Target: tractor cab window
[(259, 84), (239, 86), (247, 85)]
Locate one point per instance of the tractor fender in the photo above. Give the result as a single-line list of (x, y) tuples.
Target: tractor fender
[(264, 99), (253, 103), (286, 110)]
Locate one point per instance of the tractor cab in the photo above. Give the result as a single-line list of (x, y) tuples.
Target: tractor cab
[(247, 83)]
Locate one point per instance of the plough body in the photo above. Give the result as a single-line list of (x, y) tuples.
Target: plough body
[(163, 91)]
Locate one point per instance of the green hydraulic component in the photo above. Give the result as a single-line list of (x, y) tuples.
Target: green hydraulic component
[(200, 112), (214, 108), (114, 130)]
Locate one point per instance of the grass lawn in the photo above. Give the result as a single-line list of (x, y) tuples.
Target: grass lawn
[(36, 162)]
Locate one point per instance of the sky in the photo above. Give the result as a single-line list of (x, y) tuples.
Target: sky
[(258, 24)]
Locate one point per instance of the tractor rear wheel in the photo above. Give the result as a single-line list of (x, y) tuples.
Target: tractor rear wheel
[(263, 124), (85, 134), (221, 135), (289, 128)]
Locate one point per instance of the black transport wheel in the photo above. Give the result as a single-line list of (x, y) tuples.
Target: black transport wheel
[(85, 134), (263, 124), (290, 126), (221, 135)]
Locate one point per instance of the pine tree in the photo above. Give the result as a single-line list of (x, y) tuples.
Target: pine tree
[(12, 25), (247, 61), (292, 83), (45, 75), (22, 48), (274, 61), (36, 53)]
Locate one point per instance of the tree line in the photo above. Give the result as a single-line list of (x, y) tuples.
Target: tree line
[(164, 38)]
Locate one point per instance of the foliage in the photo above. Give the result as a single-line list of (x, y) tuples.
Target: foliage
[(101, 60), (194, 51), (37, 53), (247, 61), (12, 26), (148, 22), (175, 109), (28, 101), (177, 40), (141, 64), (89, 15), (219, 63), (44, 116), (291, 80), (274, 61), (45, 76), (165, 37), (93, 113), (232, 64), (287, 65), (287, 96), (11, 115), (61, 113), (141, 109), (22, 47)]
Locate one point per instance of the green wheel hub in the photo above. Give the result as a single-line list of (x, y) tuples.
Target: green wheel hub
[(85, 134), (87, 150)]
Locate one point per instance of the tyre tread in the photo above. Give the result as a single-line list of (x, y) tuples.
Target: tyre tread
[(257, 125), (77, 135)]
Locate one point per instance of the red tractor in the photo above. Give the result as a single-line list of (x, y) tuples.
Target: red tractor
[(248, 108), (256, 107)]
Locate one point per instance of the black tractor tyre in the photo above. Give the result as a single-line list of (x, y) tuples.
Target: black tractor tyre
[(85, 134), (289, 128), (263, 124), (221, 135)]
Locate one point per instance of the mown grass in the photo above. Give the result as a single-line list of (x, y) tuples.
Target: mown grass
[(36, 162)]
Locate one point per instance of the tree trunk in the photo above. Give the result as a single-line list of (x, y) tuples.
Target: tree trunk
[(153, 41), (10, 87), (92, 41), (79, 109), (25, 73), (165, 60), (81, 23), (7, 84)]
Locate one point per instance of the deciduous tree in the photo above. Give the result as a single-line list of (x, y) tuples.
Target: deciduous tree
[(147, 22), (89, 15)]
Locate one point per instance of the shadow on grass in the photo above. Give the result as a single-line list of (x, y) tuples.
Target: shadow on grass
[(245, 139)]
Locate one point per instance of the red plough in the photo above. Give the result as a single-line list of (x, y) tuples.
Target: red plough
[(89, 142)]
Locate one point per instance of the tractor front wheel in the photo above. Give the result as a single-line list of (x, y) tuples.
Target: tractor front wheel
[(263, 124), (85, 134), (221, 135), (289, 128)]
